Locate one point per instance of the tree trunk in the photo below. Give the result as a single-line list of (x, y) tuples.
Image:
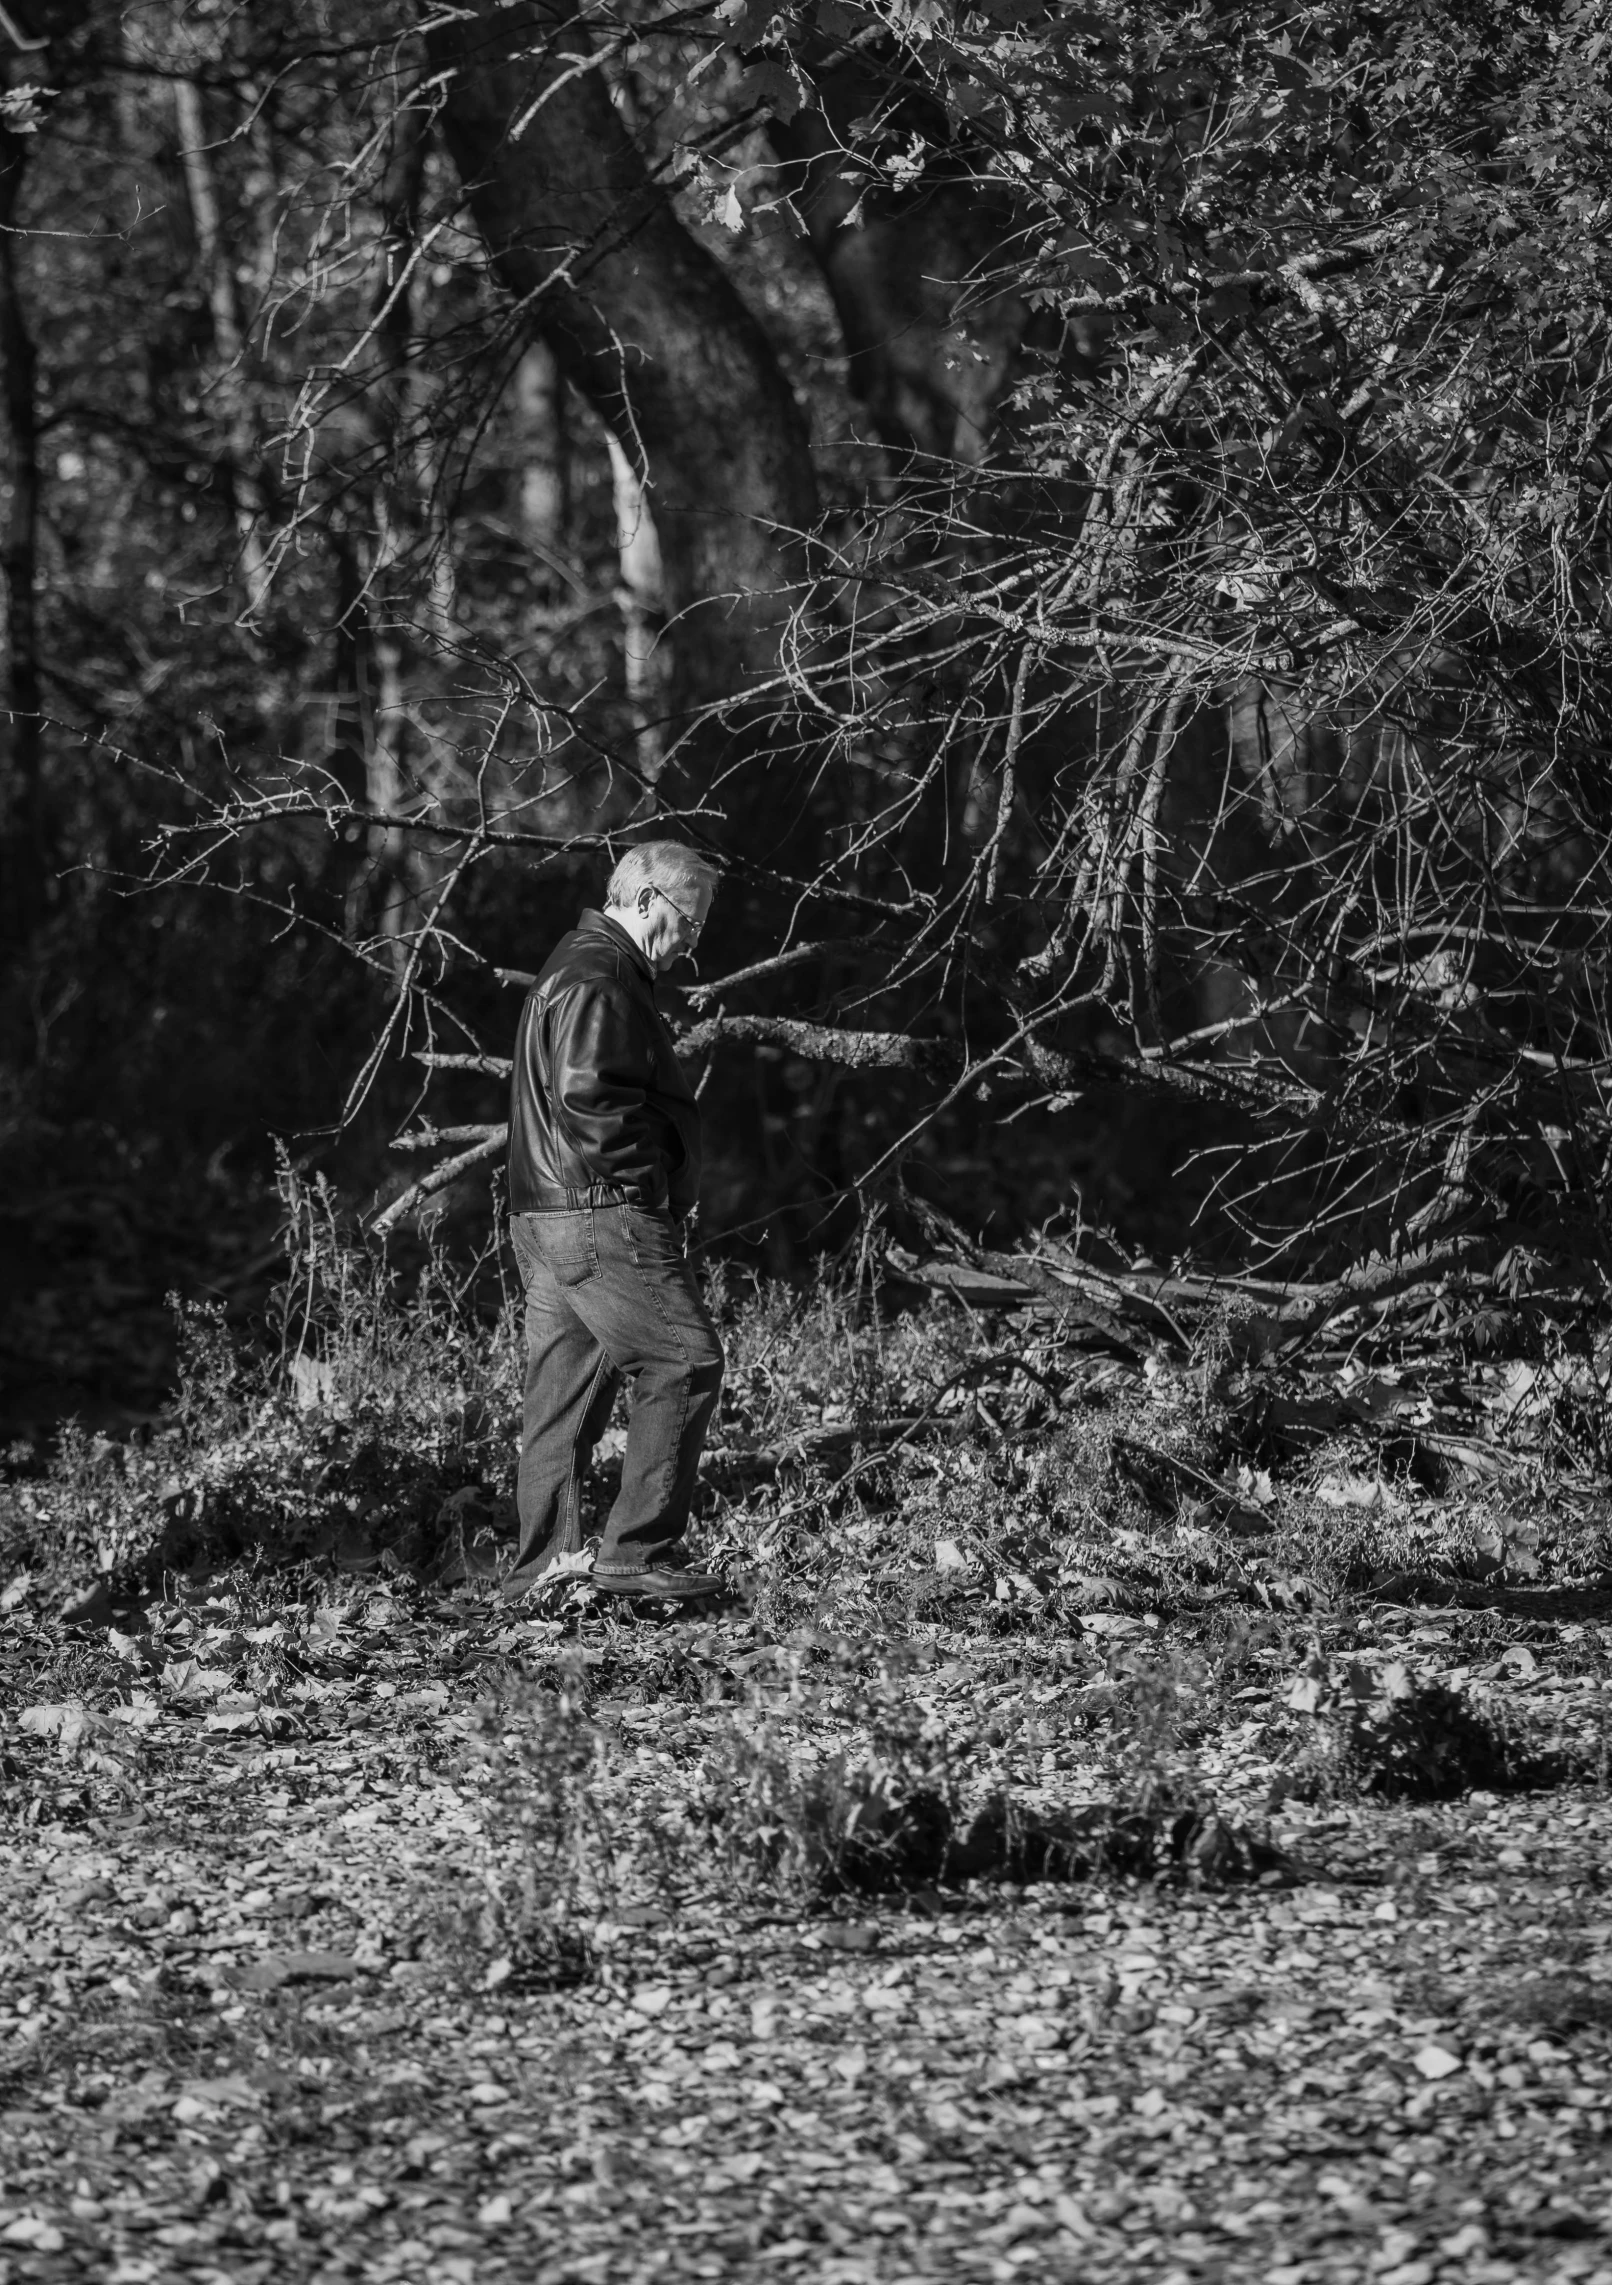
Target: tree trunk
[(22, 828), (543, 504), (215, 258), (644, 322), (647, 650), (369, 728)]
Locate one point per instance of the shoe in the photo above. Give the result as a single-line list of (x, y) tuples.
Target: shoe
[(669, 1576)]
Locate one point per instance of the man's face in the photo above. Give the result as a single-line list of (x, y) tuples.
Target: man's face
[(672, 922)]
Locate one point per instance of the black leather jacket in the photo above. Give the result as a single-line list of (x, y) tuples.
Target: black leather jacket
[(599, 1100)]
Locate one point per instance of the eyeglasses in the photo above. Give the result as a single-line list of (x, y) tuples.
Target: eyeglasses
[(687, 918)]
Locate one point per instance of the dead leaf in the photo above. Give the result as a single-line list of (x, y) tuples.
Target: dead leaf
[(79, 1733), (30, 2230), (1436, 2062), (319, 1967), (313, 1381), (188, 1682), (1351, 1491), (199, 2095), (267, 1974), (850, 1936)]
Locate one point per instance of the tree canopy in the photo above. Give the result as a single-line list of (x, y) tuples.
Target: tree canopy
[(1095, 516)]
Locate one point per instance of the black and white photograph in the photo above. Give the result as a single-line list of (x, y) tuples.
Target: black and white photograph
[(805, 1142)]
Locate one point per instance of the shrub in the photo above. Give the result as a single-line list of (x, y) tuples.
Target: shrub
[(378, 1400), (1381, 1730)]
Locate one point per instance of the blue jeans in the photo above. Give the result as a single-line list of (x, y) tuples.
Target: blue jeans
[(609, 1295)]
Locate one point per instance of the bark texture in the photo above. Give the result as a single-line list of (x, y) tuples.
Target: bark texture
[(643, 320)]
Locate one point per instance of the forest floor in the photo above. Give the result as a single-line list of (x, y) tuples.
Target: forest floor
[(361, 1926)]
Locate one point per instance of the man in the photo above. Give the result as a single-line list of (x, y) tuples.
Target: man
[(604, 1169)]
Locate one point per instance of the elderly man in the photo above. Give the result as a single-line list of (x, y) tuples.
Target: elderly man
[(604, 1168)]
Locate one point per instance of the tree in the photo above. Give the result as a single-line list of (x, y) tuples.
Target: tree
[(645, 323), (23, 847), (1195, 696)]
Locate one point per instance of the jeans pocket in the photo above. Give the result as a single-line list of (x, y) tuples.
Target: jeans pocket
[(654, 1238), (568, 1245)]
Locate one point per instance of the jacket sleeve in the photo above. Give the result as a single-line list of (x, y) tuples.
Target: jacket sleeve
[(600, 1069)]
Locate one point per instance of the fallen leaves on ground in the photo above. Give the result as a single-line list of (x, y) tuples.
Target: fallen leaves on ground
[(251, 2032)]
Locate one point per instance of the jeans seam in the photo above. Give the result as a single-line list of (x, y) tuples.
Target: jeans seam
[(572, 1508), (669, 1471), (544, 1320)]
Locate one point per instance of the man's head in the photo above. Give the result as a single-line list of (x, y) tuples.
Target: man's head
[(660, 894)]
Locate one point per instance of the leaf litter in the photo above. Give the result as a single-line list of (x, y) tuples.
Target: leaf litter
[(261, 2026), (1131, 1829)]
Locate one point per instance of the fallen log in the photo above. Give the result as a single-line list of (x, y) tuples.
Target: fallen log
[(1372, 1281), (1005, 1281)]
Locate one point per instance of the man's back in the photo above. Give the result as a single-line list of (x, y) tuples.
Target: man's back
[(598, 1099)]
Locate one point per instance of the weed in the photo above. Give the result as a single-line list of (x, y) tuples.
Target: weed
[(807, 1789), (207, 1396), (553, 1861), (1554, 2003), (1384, 1731)]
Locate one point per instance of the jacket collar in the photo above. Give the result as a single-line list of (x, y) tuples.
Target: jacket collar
[(601, 924)]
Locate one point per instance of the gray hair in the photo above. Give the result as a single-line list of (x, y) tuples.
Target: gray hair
[(669, 865)]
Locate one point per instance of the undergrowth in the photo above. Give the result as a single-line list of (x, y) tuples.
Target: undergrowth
[(995, 1597), (371, 1413), (802, 1792), (892, 1470), (1379, 1729)]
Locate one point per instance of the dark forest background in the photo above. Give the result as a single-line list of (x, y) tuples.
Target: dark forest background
[(1097, 516)]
